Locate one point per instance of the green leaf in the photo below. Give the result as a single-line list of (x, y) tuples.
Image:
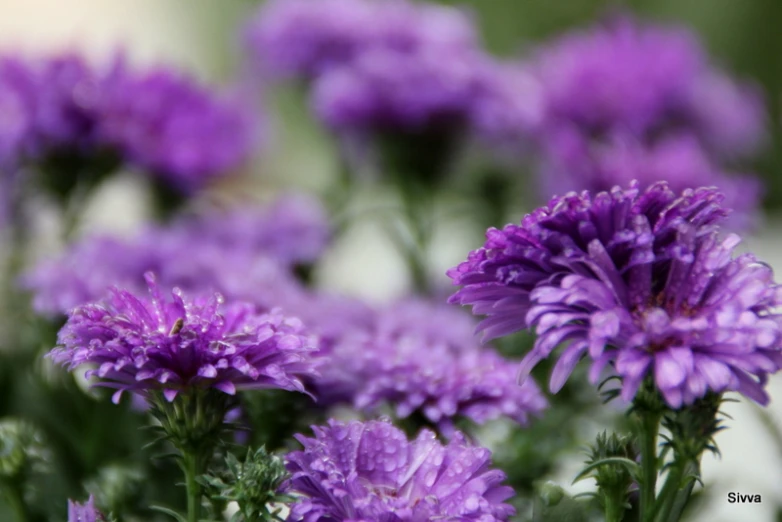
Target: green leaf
[(631, 466), (170, 512)]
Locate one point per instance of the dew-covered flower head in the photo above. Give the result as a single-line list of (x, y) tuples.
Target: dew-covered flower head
[(86, 512), (419, 357), (640, 280), (646, 80), (370, 471), (176, 344)]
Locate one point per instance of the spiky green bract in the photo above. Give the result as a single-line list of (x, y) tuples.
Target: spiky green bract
[(252, 483), (612, 463)]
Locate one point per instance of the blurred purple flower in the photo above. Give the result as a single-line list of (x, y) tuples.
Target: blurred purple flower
[(166, 123), (16, 126), (636, 279), (294, 228), (86, 512), (305, 38), (158, 120), (370, 471), (574, 162), (177, 344), (421, 357), (392, 89), (647, 81), (242, 254)]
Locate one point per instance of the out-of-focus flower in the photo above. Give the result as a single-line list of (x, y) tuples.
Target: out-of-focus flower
[(294, 228), (304, 38), (177, 344), (86, 512), (636, 279), (169, 125), (392, 89), (574, 162), (370, 471), (159, 121), (420, 357), (647, 81), (16, 89), (242, 254)]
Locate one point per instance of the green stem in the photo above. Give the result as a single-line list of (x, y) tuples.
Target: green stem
[(614, 508), (15, 498), (191, 468), (674, 497), (650, 425)]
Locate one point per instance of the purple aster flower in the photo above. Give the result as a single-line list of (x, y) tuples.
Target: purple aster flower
[(370, 471), (168, 124), (16, 126), (159, 120), (304, 38), (574, 162), (177, 344), (242, 254), (294, 228), (390, 89), (419, 357), (646, 81), (637, 279), (86, 512)]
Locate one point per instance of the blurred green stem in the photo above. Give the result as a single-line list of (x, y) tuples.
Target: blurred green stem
[(649, 427)]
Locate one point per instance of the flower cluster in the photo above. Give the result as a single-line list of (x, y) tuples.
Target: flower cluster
[(176, 344), (630, 101), (157, 120), (370, 471), (421, 357), (241, 253), (637, 279), (382, 65)]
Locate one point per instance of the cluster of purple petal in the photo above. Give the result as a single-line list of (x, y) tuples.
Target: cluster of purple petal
[(421, 357), (370, 471), (242, 254), (86, 512), (305, 38), (380, 65), (639, 280), (157, 120), (175, 344), (573, 162), (647, 81), (627, 100)]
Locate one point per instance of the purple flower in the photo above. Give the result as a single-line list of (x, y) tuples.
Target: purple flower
[(294, 228), (86, 512), (169, 125), (646, 81), (390, 89), (637, 279), (158, 120), (242, 254), (305, 38), (424, 358), (574, 162), (370, 471), (179, 344), (16, 126)]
